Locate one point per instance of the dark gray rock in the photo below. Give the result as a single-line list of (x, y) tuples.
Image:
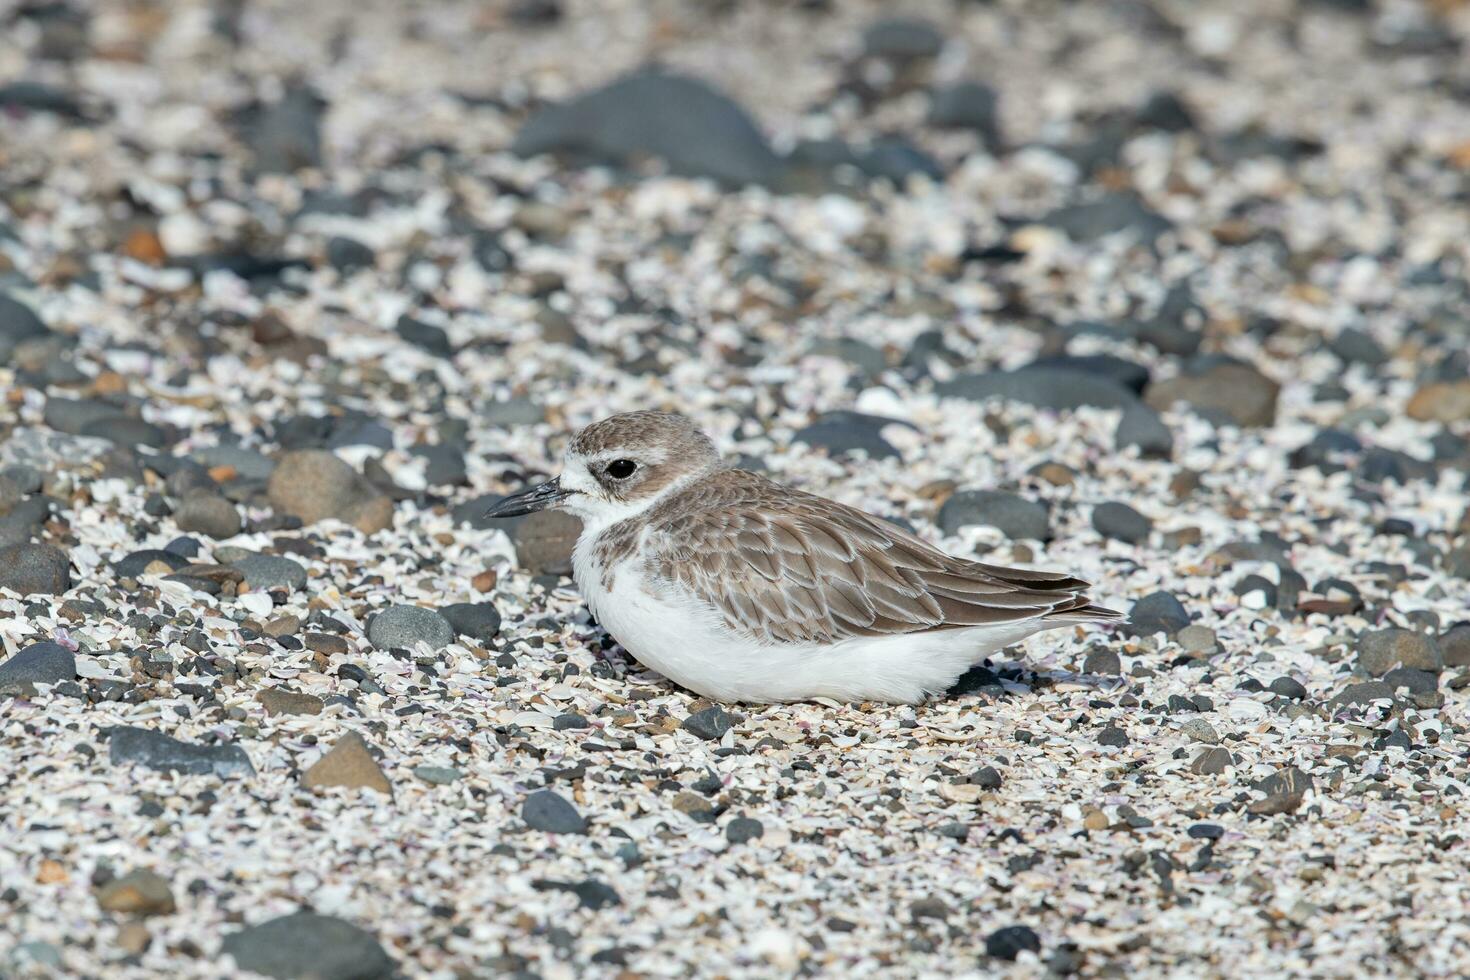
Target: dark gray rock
[(1166, 111), (285, 136), (206, 514), (1142, 427), (710, 723), (1330, 450), (967, 105), (1415, 681), (841, 433), (1362, 695), (348, 254), (897, 160), (361, 432), (425, 336), (133, 565), (1010, 942), (1454, 644), (1115, 212), (1354, 346), (266, 572), (1059, 389), (309, 946), (902, 39), (155, 750), (1129, 374), (1288, 687), (743, 830), (1015, 516), (1158, 612), (34, 569), (1121, 523), (1284, 791), (406, 626), (549, 811), (247, 463), (476, 620), (38, 97), (39, 663), (72, 415), (695, 129), (1382, 650), (446, 465), (125, 430), (18, 323)]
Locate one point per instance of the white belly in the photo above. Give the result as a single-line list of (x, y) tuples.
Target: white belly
[(687, 642)]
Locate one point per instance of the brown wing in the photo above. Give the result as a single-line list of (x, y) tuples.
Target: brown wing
[(784, 566)]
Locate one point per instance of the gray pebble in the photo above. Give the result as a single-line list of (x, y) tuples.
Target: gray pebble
[(1382, 650), (1101, 660), (155, 750), (39, 663), (1121, 523), (742, 830), (1059, 389), (476, 620), (1015, 516), (406, 626), (710, 723), (34, 569), (1141, 427), (1158, 612), (208, 515), (549, 811), (308, 945), (266, 572)]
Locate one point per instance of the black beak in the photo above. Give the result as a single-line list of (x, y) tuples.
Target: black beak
[(539, 497)]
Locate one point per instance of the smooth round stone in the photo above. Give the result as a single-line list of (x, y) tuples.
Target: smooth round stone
[(1382, 650), (1121, 523), (204, 514), (549, 811), (124, 430), (476, 620), (136, 563), (39, 663), (1015, 516), (404, 627), (34, 569), (268, 572), (1158, 612), (305, 944)]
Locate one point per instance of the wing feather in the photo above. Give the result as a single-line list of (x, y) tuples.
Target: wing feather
[(786, 567)]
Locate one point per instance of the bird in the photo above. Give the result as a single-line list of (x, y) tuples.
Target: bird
[(742, 589)]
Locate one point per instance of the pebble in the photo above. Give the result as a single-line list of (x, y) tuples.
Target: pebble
[(479, 621), (266, 572), (1059, 389), (1121, 523), (1141, 427), (1199, 730), (1113, 213), (277, 701), (1231, 390), (1382, 650), (841, 433), (215, 517), (1101, 660), (967, 105), (39, 663), (1441, 401), (34, 569), (349, 764), (1211, 762), (695, 129), (1011, 941), (1016, 517), (1158, 612), (129, 745), (404, 627), (549, 811), (544, 542), (315, 485), (743, 830), (709, 724), (309, 945), (437, 775), (902, 39), (142, 893), (285, 135), (1288, 687)]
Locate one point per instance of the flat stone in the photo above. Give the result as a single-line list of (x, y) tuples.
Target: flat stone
[(1015, 516), (1362, 695), (209, 515), (1234, 391), (479, 621), (1382, 650), (155, 750), (247, 463), (967, 105), (1121, 523), (843, 433), (39, 663), (437, 775), (281, 702), (544, 542), (710, 723), (315, 485), (902, 39), (350, 764), (137, 893), (124, 430), (1059, 389), (34, 569), (1111, 214), (1102, 661), (1158, 612), (266, 572), (1211, 762), (308, 946), (404, 627), (696, 130), (549, 811), (1141, 427)]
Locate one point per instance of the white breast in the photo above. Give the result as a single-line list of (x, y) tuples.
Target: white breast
[(686, 640)]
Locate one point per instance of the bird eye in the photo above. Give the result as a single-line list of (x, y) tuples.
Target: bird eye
[(621, 469)]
